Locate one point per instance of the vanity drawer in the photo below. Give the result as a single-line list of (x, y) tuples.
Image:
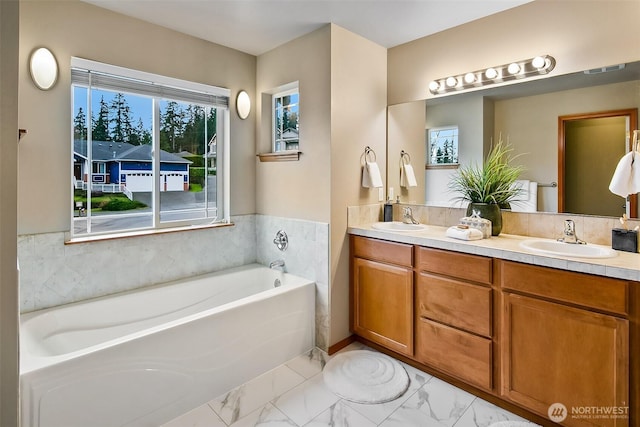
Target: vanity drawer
[(454, 303), (458, 353), (383, 251), (462, 266), (596, 292)]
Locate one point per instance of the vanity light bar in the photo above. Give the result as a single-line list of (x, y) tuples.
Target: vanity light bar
[(515, 70)]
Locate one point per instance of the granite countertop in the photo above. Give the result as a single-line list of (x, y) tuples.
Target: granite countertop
[(625, 265)]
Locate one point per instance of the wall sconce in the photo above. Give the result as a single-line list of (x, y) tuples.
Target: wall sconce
[(493, 75), (43, 68), (243, 104)]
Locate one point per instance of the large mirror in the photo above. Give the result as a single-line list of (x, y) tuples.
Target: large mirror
[(529, 115)]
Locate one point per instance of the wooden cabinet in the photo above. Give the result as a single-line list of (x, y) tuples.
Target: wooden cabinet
[(453, 315), (556, 351), (528, 335), (382, 293)]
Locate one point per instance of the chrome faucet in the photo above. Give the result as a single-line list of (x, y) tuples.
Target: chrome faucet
[(569, 234), (277, 263), (407, 216)]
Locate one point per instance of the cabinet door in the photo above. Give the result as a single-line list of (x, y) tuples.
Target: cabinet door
[(383, 304), (559, 354)]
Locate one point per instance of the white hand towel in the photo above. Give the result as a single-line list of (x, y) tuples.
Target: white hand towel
[(371, 177), (523, 186), (527, 201), (464, 233), (407, 177), (626, 178)]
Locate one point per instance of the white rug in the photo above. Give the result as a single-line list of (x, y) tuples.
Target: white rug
[(364, 376)]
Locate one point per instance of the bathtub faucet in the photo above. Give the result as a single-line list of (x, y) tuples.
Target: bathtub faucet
[(277, 263)]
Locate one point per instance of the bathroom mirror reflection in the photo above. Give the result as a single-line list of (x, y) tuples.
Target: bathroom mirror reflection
[(527, 114)]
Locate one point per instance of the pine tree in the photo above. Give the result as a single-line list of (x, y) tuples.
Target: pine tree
[(80, 125), (100, 131), (140, 135), (120, 119), (172, 126), (193, 137), (447, 152)]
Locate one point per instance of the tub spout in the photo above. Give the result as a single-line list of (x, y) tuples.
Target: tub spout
[(277, 263)]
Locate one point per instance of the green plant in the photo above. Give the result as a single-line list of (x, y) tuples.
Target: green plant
[(493, 181), (121, 204)]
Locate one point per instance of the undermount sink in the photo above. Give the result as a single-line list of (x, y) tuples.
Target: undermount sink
[(553, 247), (398, 226)]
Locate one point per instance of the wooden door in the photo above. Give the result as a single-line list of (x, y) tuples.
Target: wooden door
[(559, 354), (593, 163), (383, 304)]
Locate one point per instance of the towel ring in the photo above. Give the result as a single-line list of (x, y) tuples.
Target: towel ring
[(404, 156), (368, 152)]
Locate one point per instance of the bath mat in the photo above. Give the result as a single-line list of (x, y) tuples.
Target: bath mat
[(364, 376)]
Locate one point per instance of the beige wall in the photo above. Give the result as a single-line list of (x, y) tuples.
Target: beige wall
[(406, 131), (531, 124), (467, 113), (579, 34), (9, 25), (298, 189), (342, 81), (73, 28), (358, 119)]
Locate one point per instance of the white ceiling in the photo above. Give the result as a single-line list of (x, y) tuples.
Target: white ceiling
[(257, 26)]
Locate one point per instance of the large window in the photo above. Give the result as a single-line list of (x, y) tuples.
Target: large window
[(286, 120), (148, 151)]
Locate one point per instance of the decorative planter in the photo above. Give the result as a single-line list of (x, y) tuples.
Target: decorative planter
[(488, 211)]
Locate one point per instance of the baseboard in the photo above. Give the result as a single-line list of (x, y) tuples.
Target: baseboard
[(341, 344)]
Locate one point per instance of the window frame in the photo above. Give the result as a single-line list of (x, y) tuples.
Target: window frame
[(433, 137), (161, 88), (287, 90)]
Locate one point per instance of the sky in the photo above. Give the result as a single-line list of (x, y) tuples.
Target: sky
[(141, 106)]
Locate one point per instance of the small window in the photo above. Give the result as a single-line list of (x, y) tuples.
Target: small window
[(286, 121), (442, 146)]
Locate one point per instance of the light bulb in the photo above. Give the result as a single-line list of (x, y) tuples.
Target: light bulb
[(434, 86), (538, 62), (469, 78), (491, 73), (451, 81), (513, 68)]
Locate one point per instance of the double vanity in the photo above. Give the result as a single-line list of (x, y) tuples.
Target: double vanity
[(512, 319)]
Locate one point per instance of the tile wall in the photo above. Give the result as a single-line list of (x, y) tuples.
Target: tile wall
[(306, 256), (52, 273)]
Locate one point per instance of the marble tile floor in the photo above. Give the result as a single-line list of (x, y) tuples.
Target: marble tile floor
[(294, 394)]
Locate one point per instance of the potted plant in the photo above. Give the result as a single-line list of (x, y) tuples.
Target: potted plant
[(489, 187)]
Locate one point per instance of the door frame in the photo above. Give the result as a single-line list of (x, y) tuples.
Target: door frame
[(630, 113)]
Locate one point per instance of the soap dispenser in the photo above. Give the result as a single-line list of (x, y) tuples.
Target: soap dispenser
[(388, 211)]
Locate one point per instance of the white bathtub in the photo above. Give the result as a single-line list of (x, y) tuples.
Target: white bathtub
[(142, 358)]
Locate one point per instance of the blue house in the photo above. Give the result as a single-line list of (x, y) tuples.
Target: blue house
[(128, 168)]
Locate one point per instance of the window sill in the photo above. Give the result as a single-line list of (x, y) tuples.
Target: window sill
[(281, 156), (442, 166), (139, 233)]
